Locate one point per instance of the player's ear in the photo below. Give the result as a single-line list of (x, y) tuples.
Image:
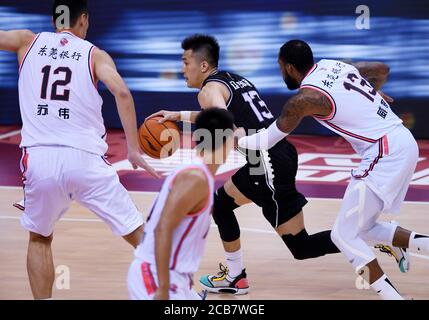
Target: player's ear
[(83, 20), (204, 66)]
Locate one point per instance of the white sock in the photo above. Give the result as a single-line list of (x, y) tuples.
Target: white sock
[(419, 242), (234, 262), (385, 289)]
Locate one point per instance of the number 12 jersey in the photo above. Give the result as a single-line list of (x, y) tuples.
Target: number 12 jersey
[(59, 102)]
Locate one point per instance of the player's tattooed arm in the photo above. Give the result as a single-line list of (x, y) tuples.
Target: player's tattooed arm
[(307, 102), (189, 194), (375, 72)]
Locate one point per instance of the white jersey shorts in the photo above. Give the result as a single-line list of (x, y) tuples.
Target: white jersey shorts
[(54, 176), (143, 282), (388, 167)]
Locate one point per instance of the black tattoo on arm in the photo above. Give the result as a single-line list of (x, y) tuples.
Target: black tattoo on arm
[(307, 102)]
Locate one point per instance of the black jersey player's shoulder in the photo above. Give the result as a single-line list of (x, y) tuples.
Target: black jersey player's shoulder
[(232, 80), (222, 75)]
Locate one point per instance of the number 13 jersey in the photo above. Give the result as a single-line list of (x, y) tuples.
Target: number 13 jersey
[(249, 110), (59, 102), (359, 113)]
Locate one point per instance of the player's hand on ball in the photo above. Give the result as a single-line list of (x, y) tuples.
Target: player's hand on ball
[(137, 161), (166, 116)]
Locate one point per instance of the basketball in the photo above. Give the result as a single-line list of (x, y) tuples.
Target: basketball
[(159, 140)]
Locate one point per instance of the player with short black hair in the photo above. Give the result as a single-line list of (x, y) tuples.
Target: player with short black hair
[(218, 125), (268, 178), (177, 228), (299, 54), (63, 135), (76, 8), (205, 46), (346, 99)]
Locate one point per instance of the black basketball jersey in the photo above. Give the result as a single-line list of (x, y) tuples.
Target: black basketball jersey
[(249, 110)]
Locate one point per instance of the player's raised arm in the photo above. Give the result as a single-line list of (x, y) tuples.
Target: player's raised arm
[(105, 71), (15, 40), (189, 194), (307, 102), (375, 72)]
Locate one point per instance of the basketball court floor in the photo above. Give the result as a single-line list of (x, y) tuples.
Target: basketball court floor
[(92, 264)]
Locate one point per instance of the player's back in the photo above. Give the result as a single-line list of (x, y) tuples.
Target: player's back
[(59, 102), (359, 112), (249, 110), (189, 237)]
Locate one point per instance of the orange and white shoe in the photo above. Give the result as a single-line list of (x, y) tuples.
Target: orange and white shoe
[(223, 283)]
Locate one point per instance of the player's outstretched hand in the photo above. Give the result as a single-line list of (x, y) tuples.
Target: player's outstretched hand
[(137, 161), (166, 116), (386, 97)]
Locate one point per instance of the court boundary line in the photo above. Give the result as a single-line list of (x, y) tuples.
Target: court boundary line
[(213, 226), (9, 134), (155, 193)]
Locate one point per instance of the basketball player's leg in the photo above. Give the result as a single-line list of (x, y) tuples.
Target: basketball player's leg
[(231, 279), (134, 238), (300, 243), (97, 187), (283, 209), (282, 204), (45, 203), (396, 238), (42, 209), (40, 266), (236, 199), (404, 238), (359, 211)]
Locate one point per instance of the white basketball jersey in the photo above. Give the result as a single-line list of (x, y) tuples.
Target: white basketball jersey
[(59, 102), (189, 238), (359, 113)]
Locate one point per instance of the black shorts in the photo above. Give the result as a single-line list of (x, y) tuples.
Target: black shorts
[(268, 179)]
